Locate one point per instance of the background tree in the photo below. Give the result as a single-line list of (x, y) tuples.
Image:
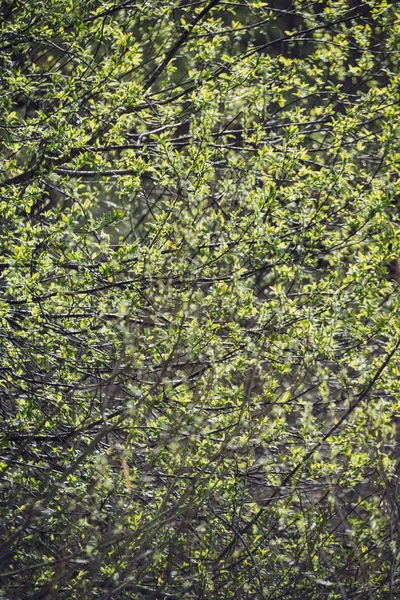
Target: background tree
[(199, 299)]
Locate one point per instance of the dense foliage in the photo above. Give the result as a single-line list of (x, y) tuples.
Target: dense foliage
[(200, 379)]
